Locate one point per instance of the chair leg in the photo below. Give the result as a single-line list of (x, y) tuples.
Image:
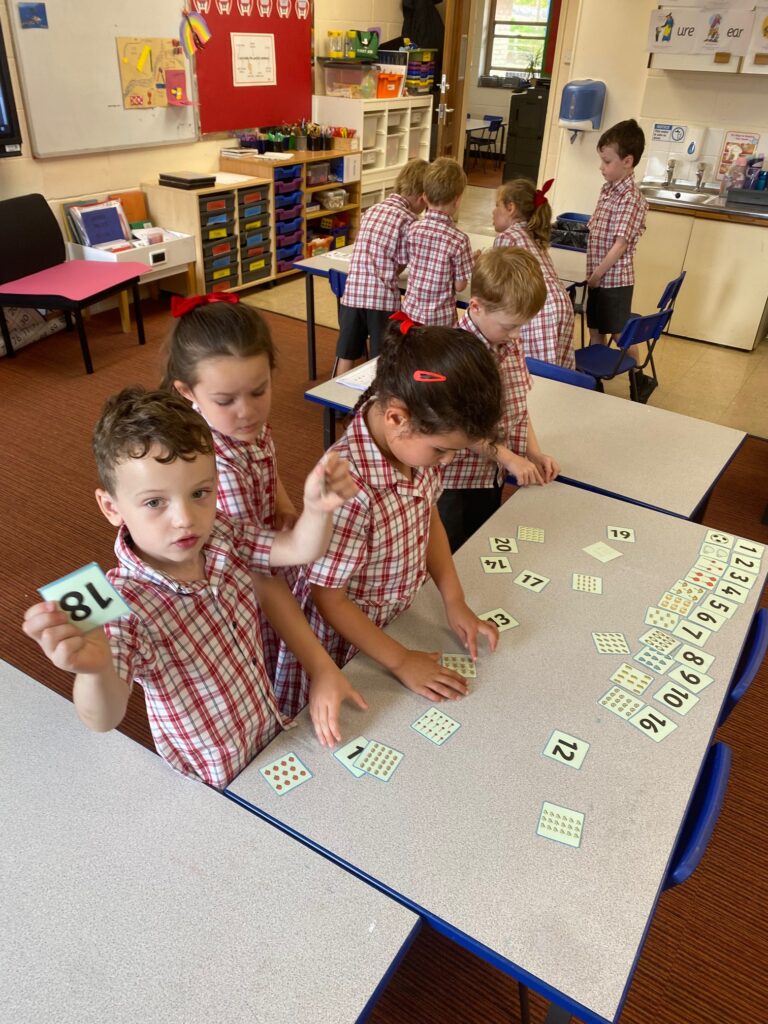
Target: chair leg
[(69, 322), (6, 335), (83, 341), (525, 1010), (137, 312)]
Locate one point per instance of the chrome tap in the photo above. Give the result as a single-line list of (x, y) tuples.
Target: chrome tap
[(700, 169), (670, 174)]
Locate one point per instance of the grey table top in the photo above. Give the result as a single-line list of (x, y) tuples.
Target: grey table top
[(454, 830), (658, 458), (130, 893)]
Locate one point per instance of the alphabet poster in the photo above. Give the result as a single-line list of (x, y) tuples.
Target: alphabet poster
[(700, 30)]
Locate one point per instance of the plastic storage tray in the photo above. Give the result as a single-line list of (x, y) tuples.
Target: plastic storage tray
[(288, 213), (288, 200), (286, 173), (253, 195)]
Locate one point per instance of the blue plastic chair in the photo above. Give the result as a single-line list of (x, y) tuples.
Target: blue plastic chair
[(702, 815), (670, 293), (750, 661), (486, 142), (554, 372), (603, 362)]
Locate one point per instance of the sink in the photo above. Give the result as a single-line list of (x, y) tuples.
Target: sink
[(671, 195)]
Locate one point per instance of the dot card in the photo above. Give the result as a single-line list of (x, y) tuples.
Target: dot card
[(723, 540), (732, 591), (676, 603), (566, 749), (561, 824), (349, 753), (661, 617), (461, 663), (623, 533), (495, 563), (654, 660), (707, 618), (685, 588), (286, 773), (749, 547), (659, 640), (719, 605), (531, 580), (692, 658), (501, 619), (714, 551), (620, 702), (705, 580), (746, 563), (503, 545), (694, 634), (87, 597), (588, 584), (653, 724), (602, 551), (379, 760), (531, 533), (711, 565), (675, 697), (611, 643), (690, 677), (436, 726), (632, 679)]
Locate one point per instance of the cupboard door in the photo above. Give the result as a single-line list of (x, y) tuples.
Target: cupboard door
[(659, 257)]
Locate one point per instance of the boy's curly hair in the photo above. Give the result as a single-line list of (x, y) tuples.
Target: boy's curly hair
[(509, 278), (627, 138), (444, 181)]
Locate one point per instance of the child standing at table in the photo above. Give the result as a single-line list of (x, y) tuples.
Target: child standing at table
[(439, 255), (192, 638), (371, 293), (507, 291), (436, 391), (522, 217)]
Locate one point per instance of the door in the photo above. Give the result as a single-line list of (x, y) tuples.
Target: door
[(450, 133)]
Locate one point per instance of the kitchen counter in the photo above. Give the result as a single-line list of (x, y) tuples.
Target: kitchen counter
[(718, 209)]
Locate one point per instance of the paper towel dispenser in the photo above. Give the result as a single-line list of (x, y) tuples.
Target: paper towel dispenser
[(581, 105)]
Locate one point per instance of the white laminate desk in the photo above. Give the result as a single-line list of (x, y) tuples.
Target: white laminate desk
[(453, 833), (639, 453), (131, 895)]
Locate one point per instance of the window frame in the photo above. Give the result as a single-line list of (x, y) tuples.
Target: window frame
[(490, 35)]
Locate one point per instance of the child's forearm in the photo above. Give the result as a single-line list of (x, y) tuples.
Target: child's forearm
[(533, 447), (440, 564), (307, 541), (101, 699), (280, 607), (282, 501), (351, 622)]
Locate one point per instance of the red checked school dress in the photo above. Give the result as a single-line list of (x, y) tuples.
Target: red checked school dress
[(379, 252), (195, 649), (378, 550), (439, 255), (620, 213), (549, 336)]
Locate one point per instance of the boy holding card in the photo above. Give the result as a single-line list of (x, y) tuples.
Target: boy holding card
[(507, 290), (191, 637)]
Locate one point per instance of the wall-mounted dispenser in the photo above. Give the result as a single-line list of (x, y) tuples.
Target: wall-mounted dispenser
[(581, 106)]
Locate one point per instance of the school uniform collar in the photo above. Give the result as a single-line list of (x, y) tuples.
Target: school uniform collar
[(440, 216), (368, 459), (215, 556), (239, 451), (618, 188)]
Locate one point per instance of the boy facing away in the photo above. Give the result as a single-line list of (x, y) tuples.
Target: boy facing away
[(372, 293), (615, 227), (192, 638), (439, 255)]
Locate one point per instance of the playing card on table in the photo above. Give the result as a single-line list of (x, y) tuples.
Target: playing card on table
[(699, 660), (740, 577), (611, 643), (661, 617), (379, 760), (711, 565), (285, 773), (749, 547), (732, 591), (531, 580), (685, 588), (723, 540), (740, 562), (705, 580), (676, 603), (495, 563), (714, 551), (720, 605), (620, 533), (531, 533), (694, 634), (602, 552), (566, 749), (349, 753), (653, 723), (653, 660), (707, 618), (632, 679), (675, 697), (588, 584), (500, 618), (503, 545), (690, 677), (561, 824), (620, 702), (461, 663), (436, 726), (659, 640)]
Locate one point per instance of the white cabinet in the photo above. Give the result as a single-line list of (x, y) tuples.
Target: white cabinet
[(659, 258)]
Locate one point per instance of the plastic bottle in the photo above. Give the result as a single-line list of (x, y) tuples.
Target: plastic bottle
[(738, 172)]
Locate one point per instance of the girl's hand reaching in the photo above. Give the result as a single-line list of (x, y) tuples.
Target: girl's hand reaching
[(329, 484), (466, 625)]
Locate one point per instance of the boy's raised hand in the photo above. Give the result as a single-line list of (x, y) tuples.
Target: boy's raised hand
[(329, 484), (63, 643), (467, 626), (327, 691)]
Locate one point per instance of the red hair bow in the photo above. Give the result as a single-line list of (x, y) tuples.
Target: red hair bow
[(180, 306), (541, 193), (404, 320)]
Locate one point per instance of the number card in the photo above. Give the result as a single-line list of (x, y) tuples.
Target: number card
[(461, 663), (694, 634), (731, 590), (620, 533), (749, 547), (531, 533), (588, 584), (611, 643), (723, 540), (687, 589), (87, 596), (632, 679), (697, 659), (653, 724), (739, 577), (711, 565), (497, 563), (620, 702), (531, 581), (661, 617), (690, 677), (379, 760), (436, 726), (501, 619), (676, 603), (566, 749), (561, 824), (676, 698), (707, 618), (286, 773), (748, 562), (503, 545), (654, 660), (659, 640), (349, 753), (602, 552), (705, 580), (714, 551), (719, 605)]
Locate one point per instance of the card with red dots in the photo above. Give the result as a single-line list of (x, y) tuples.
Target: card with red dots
[(286, 773)]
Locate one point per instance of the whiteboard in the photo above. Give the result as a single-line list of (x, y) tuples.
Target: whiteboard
[(70, 77)]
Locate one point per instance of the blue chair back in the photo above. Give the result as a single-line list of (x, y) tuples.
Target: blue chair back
[(750, 661), (669, 295), (702, 815), (643, 328), (553, 372), (338, 282)]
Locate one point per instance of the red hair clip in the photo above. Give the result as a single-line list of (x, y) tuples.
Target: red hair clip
[(540, 196), (404, 320), (428, 377), (180, 306)]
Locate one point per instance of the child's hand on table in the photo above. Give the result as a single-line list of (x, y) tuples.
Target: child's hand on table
[(546, 465), (466, 625), (327, 691), (422, 672), (63, 643), (523, 470)]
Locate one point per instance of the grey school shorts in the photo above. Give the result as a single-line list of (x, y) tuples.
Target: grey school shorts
[(608, 309)]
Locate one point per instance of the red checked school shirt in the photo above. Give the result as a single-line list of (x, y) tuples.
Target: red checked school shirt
[(549, 336), (195, 649), (378, 550), (378, 255), (620, 213), (470, 469), (439, 255)]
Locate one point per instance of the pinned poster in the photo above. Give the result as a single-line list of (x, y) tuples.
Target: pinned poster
[(758, 45), (737, 144), (722, 30), (253, 58), (144, 65), (673, 30)]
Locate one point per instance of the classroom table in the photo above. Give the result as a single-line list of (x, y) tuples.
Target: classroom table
[(569, 264), (635, 452), (453, 832), (133, 894)]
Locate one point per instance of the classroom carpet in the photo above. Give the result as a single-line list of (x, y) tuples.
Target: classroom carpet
[(703, 961)]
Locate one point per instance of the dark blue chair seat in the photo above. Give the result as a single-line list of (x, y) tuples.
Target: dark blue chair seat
[(554, 372), (755, 647), (604, 362)]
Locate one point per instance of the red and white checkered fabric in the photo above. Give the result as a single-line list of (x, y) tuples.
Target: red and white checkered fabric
[(620, 213), (378, 255), (439, 255)]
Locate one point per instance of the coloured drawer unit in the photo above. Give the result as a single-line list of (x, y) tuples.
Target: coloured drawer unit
[(218, 208), (256, 268)]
